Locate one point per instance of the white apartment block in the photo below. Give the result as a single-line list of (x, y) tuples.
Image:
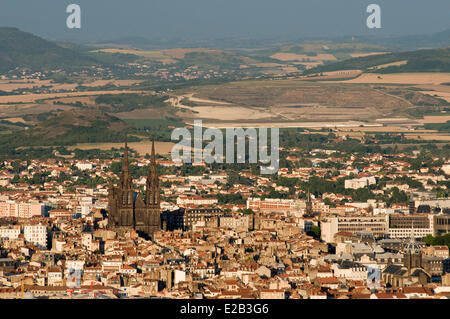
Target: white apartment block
[(195, 200), (36, 234), (351, 273), (360, 182), (419, 232), (378, 225), (179, 275), (398, 233), (83, 166), (9, 232), (85, 206), (54, 277)]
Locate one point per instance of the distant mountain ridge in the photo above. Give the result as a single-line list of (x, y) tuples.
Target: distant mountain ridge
[(395, 43), (20, 49), (415, 42)]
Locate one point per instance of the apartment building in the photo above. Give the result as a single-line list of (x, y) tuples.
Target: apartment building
[(20, 210), (275, 205), (360, 182), (36, 234), (401, 226), (441, 224), (376, 224), (235, 222), (195, 200), (9, 232)]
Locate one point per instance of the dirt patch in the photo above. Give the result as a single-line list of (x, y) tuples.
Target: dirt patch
[(341, 74), (290, 101), (429, 137), (382, 66), (144, 147), (16, 120), (434, 119), (402, 78)]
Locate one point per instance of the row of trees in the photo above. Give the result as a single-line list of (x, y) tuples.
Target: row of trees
[(443, 240)]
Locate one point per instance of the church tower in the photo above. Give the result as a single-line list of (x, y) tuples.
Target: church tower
[(126, 193), (148, 217), (412, 257), (152, 186)]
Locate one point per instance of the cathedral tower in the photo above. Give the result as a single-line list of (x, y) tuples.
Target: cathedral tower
[(149, 218), (127, 209), (126, 192)]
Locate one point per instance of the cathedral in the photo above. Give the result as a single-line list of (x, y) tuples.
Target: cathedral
[(130, 210), (412, 272)]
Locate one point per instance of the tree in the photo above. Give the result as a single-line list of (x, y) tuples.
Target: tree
[(315, 232), (116, 167), (247, 211)]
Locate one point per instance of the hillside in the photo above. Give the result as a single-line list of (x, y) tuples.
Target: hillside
[(431, 60), (64, 121), (71, 127), (25, 50)]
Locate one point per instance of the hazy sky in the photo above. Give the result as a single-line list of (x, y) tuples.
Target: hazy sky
[(110, 19)]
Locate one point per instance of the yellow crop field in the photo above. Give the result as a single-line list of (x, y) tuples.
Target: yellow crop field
[(363, 54), (303, 57), (149, 54), (402, 78)]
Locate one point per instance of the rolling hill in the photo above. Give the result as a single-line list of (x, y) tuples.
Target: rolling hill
[(429, 60), (20, 49), (71, 127)]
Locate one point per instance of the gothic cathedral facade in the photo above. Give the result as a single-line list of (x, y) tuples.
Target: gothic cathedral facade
[(130, 210)]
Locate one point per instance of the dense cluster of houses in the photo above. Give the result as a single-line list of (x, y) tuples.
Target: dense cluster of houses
[(56, 241)]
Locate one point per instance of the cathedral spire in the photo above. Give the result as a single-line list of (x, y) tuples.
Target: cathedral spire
[(152, 171), (125, 163), (125, 178), (126, 184), (412, 246), (152, 185), (153, 157)]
